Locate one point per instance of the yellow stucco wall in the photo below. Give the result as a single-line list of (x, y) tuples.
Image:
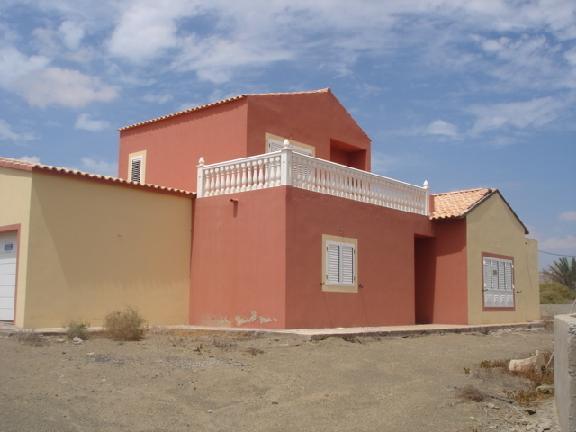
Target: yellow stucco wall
[(492, 228), (15, 196), (98, 247)]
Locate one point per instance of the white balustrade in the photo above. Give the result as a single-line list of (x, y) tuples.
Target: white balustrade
[(288, 167)]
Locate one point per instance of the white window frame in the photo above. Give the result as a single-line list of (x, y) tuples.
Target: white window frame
[(137, 156), (343, 246), (498, 290), (275, 143)]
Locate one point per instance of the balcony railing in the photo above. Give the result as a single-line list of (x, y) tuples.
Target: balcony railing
[(288, 167)]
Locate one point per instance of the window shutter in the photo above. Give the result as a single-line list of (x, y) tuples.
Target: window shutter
[(498, 286), (332, 263), (275, 145), (347, 270), (135, 170)]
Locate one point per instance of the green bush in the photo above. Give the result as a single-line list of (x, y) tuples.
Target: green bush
[(77, 329), (124, 325), (555, 293)]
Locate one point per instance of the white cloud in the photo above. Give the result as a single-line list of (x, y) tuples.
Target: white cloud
[(42, 85), (568, 216), (147, 28), (85, 122), (157, 98), (99, 166), (533, 113), (567, 242), (442, 128), (9, 134), (29, 159), (71, 33)]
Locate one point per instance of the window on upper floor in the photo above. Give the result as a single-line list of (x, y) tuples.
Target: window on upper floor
[(498, 282), (275, 143), (137, 167), (339, 264)]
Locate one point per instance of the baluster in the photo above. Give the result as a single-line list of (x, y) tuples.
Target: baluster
[(243, 177), (207, 182), (235, 180), (254, 175), (260, 174)]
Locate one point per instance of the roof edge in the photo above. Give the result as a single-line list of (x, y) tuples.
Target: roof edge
[(217, 103), (53, 170)]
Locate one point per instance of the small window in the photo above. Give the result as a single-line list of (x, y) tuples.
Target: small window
[(137, 167), (498, 282), (136, 170), (275, 143), (339, 271)]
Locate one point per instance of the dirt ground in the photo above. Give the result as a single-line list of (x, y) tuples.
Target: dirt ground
[(242, 382)]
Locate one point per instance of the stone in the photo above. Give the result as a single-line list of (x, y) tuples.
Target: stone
[(535, 362), (545, 388), (77, 341)]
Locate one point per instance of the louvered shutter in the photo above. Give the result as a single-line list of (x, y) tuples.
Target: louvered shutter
[(498, 285), (135, 170), (347, 270), (332, 263), (275, 145), (488, 297)]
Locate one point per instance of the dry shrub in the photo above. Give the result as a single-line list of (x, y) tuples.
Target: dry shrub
[(491, 364), (223, 344), (471, 393), (124, 325), (77, 329), (526, 397), (254, 351), (31, 338)]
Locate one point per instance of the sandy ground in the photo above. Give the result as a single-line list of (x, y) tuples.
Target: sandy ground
[(207, 382)]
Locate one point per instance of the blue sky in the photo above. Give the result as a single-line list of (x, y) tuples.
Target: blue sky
[(462, 93)]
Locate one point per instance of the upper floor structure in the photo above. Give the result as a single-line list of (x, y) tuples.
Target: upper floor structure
[(248, 142)]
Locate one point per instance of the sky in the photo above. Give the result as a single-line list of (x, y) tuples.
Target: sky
[(461, 93)]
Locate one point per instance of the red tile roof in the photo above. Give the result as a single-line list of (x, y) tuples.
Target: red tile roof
[(457, 204), (36, 167), (220, 102)]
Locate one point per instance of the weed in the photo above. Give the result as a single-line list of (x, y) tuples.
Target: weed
[(77, 329), (31, 338), (124, 325), (490, 364), (254, 351), (222, 344), (525, 397), (471, 393), (466, 371)]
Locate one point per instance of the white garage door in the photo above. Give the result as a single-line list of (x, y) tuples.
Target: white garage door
[(7, 274)]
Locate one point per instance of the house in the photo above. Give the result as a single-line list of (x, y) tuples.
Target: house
[(257, 211)]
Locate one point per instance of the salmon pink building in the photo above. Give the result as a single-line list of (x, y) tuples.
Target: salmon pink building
[(258, 211)]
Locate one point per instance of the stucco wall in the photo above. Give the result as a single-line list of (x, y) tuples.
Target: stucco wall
[(97, 247), (565, 371), (173, 146), (492, 228), (385, 254), (314, 119), (441, 290), (238, 260), (15, 196)]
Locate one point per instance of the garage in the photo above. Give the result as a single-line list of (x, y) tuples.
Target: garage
[(8, 251)]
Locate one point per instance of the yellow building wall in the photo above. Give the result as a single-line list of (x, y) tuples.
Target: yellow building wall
[(96, 247), (492, 228), (15, 196)]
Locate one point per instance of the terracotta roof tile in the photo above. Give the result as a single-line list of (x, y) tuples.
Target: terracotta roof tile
[(220, 102), (458, 203), (29, 166)]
